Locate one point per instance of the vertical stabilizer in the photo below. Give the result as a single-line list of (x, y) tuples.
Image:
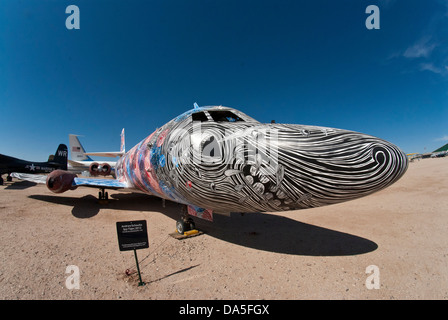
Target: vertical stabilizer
[(122, 145), (61, 155), (76, 149)]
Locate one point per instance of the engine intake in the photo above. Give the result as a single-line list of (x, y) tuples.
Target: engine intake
[(60, 181), (103, 169), (106, 169)]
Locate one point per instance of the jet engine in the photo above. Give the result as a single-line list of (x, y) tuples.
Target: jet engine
[(97, 169), (60, 181)]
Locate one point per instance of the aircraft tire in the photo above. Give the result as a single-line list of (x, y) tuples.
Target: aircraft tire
[(191, 224), (180, 227), (103, 195)]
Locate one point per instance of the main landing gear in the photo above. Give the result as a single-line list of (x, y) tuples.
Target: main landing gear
[(103, 196), (8, 178)]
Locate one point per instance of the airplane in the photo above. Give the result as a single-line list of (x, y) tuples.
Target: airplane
[(10, 164), (218, 160), (81, 161)]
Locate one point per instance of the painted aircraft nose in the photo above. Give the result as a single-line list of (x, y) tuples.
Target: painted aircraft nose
[(325, 166)]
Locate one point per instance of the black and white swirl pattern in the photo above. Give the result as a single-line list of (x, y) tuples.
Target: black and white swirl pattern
[(252, 167)]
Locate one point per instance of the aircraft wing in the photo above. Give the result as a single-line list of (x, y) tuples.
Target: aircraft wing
[(36, 178), (77, 182), (99, 183)]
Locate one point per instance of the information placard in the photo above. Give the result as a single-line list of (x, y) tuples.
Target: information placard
[(132, 235)]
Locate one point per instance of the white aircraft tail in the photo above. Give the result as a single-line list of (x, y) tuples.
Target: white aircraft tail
[(76, 149)]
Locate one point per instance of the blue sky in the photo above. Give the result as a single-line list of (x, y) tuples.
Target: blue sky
[(138, 64)]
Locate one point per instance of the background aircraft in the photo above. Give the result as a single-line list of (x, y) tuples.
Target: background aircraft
[(10, 164), (220, 160), (81, 162)]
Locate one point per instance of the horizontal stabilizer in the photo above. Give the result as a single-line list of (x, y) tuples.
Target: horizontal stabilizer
[(111, 154)]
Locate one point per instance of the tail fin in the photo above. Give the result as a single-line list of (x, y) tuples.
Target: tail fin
[(76, 149), (61, 155), (122, 146)]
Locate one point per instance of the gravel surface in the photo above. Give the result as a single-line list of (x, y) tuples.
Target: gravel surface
[(321, 253)]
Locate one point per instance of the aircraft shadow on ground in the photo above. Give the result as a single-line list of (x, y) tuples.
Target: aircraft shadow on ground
[(261, 231), (88, 206), (19, 185)]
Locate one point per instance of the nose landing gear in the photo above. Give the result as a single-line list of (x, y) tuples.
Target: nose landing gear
[(185, 224), (185, 227)]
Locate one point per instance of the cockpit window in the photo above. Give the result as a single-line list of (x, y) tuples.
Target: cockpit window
[(224, 116), (199, 116)]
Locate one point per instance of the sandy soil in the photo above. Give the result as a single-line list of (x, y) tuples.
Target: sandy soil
[(320, 253)]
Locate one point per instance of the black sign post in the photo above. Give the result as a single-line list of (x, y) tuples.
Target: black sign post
[(133, 235)]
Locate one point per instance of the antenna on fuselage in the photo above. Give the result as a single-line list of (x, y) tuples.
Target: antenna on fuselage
[(195, 105)]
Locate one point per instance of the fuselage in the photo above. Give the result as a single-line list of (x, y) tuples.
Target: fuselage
[(220, 159), (10, 164)]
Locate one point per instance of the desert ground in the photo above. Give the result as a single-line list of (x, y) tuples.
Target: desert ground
[(396, 239)]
